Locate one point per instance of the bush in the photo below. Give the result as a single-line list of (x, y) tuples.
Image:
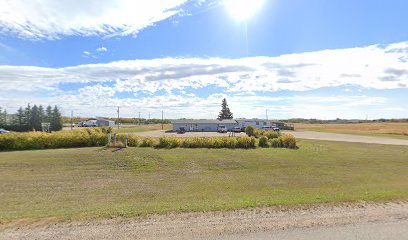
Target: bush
[(246, 142), (168, 142), (258, 133), (275, 142), (263, 142), (288, 141), (271, 134), (147, 142), (133, 140), (250, 131)]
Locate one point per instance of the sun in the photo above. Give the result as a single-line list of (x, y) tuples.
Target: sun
[(243, 9)]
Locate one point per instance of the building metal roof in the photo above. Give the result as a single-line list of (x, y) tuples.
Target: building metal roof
[(203, 121)]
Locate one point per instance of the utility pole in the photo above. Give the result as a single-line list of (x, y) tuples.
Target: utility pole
[(118, 117), (72, 123), (162, 119), (149, 117), (266, 114), (139, 118)]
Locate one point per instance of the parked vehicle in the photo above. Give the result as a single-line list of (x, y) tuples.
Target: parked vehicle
[(266, 128), (3, 131), (222, 129), (237, 129), (276, 129), (181, 130)]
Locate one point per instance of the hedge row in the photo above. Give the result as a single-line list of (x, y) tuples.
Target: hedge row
[(93, 137), (90, 137)]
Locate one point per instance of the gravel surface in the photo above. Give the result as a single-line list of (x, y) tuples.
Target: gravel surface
[(298, 134), (321, 221)]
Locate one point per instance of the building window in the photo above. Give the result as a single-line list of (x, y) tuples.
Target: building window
[(257, 123)]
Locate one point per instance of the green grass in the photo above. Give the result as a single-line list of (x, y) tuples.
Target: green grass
[(88, 183), (141, 128)]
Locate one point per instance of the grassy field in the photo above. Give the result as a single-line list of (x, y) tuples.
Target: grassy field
[(394, 130), (88, 183), (141, 128)]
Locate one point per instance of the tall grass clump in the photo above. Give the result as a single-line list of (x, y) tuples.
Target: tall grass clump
[(270, 134), (168, 142), (288, 141), (246, 142), (148, 142), (263, 142)]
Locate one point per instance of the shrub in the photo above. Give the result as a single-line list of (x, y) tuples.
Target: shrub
[(258, 133), (147, 142), (263, 142), (246, 142), (271, 134), (168, 142), (275, 142), (133, 140), (288, 141), (250, 131)]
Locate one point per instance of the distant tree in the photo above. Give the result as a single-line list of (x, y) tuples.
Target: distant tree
[(225, 111), (56, 120), (3, 118), (18, 120), (48, 114), (35, 120), (27, 118)]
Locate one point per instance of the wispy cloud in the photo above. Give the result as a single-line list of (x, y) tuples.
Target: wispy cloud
[(50, 19), (249, 83), (101, 49), (369, 67)]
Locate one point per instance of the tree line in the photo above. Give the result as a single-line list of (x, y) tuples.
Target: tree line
[(30, 118)]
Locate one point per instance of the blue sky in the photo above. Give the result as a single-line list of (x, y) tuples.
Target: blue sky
[(312, 59)]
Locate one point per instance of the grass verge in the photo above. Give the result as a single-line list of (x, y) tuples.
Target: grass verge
[(85, 183)]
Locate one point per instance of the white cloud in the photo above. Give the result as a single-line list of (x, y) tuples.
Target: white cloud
[(102, 49), (50, 19), (249, 84), (369, 67)]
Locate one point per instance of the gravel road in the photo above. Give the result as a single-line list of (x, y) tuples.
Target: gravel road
[(343, 221), (298, 134)]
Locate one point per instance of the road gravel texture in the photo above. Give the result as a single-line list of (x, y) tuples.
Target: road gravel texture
[(342, 221)]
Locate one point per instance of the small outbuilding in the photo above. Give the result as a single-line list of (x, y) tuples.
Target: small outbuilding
[(203, 125)]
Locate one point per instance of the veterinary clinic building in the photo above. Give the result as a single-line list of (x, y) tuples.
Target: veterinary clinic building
[(203, 125)]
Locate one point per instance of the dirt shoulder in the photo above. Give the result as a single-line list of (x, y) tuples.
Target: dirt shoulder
[(215, 224)]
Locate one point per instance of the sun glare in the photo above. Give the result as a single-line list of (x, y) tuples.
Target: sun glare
[(243, 9)]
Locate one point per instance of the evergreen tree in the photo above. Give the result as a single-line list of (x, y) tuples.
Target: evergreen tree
[(18, 120), (3, 118), (48, 114), (27, 119), (56, 120), (225, 111), (35, 121)]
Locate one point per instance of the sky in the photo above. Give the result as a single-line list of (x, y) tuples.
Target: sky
[(295, 58)]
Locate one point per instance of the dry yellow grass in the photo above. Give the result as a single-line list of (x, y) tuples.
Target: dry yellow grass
[(363, 128)]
